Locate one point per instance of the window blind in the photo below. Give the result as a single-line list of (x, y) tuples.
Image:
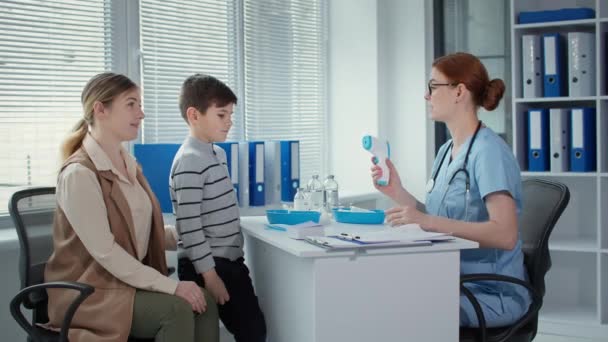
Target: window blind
[(285, 76), (178, 39), (48, 51)]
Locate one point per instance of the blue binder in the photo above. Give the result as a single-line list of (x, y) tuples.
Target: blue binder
[(528, 17), (554, 66), (156, 161), (538, 140), (232, 162), (290, 169), (582, 150), (256, 174)]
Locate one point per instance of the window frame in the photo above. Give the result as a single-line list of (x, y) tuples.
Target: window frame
[(127, 60)]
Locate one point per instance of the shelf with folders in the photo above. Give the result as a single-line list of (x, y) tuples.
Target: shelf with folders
[(576, 302), (556, 63), (603, 136), (559, 137), (602, 55)]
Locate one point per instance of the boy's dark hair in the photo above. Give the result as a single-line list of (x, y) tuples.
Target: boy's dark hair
[(201, 92)]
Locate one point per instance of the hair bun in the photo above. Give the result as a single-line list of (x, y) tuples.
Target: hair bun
[(494, 92)]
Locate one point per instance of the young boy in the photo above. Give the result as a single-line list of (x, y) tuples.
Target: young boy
[(207, 214)]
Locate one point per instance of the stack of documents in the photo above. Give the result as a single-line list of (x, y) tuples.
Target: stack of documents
[(299, 231), (408, 235)]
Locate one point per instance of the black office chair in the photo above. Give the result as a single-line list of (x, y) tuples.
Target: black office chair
[(543, 203), (32, 211)]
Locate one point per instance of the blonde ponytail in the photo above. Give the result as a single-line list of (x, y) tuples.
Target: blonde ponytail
[(102, 88), (74, 140)]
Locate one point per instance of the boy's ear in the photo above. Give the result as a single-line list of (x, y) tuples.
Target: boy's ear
[(192, 114)]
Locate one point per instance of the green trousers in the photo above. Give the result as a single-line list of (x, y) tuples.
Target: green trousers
[(168, 318)]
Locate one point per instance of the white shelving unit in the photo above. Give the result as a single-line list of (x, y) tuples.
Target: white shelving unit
[(576, 301)]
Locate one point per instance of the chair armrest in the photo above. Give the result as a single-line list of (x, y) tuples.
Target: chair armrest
[(532, 310), (15, 306)]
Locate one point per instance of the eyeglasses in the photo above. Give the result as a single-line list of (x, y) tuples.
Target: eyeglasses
[(432, 86)]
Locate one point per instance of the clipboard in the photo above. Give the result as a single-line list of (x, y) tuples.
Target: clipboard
[(336, 243)]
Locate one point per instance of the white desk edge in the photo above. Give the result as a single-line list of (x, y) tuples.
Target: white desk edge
[(255, 227)]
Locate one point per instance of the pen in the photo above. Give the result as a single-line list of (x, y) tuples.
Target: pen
[(346, 236)]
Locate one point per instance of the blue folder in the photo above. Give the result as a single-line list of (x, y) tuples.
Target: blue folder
[(156, 161), (232, 161), (290, 169), (528, 17), (538, 140), (583, 143), (256, 174), (554, 65)]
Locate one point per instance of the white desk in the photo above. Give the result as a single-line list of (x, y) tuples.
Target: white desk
[(382, 294)]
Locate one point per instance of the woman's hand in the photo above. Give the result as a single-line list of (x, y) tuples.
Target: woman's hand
[(394, 187), (399, 216), (190, 292)]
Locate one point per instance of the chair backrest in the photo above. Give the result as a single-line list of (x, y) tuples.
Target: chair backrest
[(33, 211), (544, 203)]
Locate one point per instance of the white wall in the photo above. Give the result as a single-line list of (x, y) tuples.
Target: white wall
[(378, 65), (403, 62), (353, 95)]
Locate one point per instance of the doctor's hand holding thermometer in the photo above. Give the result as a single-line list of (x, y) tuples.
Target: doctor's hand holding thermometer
[(406, 212), (381, 151)]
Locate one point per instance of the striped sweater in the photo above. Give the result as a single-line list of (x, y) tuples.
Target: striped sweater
[(205, 204)]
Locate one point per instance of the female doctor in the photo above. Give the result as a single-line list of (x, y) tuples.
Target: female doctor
[(474, 191)]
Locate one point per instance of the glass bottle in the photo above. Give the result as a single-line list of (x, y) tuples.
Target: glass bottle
[(331, 193), (299, 201), (315, 190)]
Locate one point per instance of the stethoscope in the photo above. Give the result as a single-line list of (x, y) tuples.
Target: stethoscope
[(431, 183)]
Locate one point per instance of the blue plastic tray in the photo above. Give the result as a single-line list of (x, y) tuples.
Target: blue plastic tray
[(359, 217), (281, 216)]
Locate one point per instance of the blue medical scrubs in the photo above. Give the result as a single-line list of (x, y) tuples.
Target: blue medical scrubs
[(492, 168)]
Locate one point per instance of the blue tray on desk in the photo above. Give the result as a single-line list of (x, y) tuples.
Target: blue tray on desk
[(345, 215), (281, 216)]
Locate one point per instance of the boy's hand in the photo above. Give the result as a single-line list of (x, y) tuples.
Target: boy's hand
[(215, 285)]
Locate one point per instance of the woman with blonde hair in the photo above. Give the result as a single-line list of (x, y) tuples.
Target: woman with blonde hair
[(108, 233)]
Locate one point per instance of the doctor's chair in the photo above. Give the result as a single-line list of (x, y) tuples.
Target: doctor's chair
[(543, 203), (32, 211)]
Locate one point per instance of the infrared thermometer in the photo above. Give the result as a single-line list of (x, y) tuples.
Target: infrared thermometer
[(381, 151)]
